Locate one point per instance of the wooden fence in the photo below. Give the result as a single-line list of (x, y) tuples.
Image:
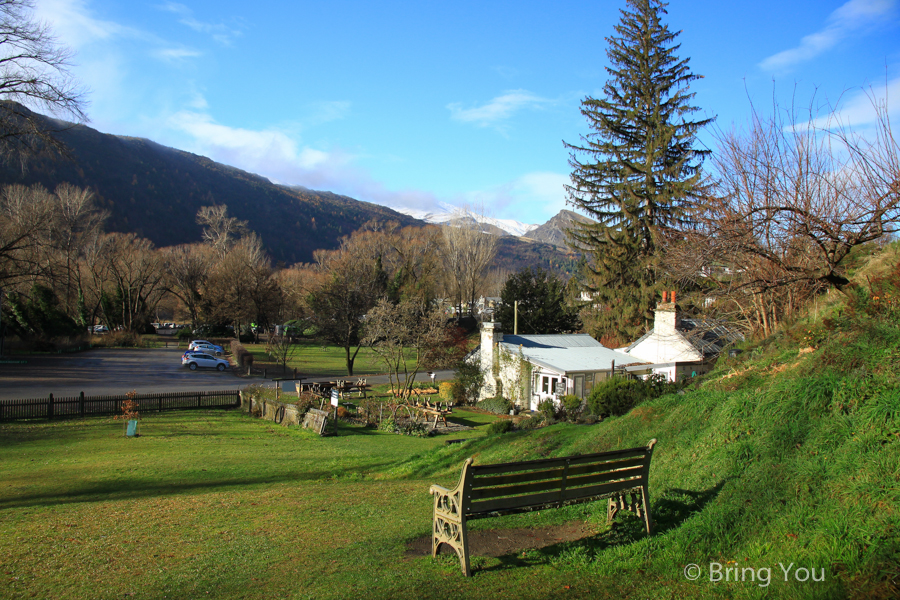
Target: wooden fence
[(81, 405)]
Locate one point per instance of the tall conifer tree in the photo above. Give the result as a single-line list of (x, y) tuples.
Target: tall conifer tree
[(636, 172)]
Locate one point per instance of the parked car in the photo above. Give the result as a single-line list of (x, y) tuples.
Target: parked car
[(100, 329), (199, 360), (210, 348), (197, 344), (190, 353)]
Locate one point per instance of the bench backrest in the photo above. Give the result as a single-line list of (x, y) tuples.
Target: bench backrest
[(533, 484)]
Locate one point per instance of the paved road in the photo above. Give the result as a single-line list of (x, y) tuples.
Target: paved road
[(108, 371), (118, 371)]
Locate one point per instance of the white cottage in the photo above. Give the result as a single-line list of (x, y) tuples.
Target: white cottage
[(680, 348), (530, 368)]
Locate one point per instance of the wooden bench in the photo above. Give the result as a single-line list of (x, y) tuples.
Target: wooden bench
[(506, 488)]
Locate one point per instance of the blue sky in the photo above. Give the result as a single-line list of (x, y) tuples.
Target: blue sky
[(417, 104)]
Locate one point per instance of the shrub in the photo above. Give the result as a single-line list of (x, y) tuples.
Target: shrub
[(120, 339), (184, 334), (305, 401), (587, 419), (412, 428), (618, 395), (470, 379), (532, 422), (573, 406), (501, 426), (404, 428), (498, 406), (547, 408), (447, 392), (241, 356)]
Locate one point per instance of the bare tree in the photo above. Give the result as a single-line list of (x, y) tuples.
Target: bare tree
[(186, 270), (34, 70), (128, 272), (219, 230), (24, 215), (791, 202), (467, 251), (407, 337), (344, 285), (238, 283), (281, 348)]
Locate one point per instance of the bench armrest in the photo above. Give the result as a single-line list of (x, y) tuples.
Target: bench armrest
[(439, 490)]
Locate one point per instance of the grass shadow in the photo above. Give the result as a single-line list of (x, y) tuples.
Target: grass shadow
[(673, 508)]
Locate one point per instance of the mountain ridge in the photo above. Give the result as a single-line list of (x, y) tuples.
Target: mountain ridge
[(155, 191)]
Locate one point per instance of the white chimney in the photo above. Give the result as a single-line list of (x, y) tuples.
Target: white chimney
[(490, 337), (665, 318)]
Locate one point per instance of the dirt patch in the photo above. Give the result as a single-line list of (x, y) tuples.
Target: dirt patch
[(500, 542)]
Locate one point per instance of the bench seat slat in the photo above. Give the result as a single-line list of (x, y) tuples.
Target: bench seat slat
[(572, 483), (516, 502), (606, 467), (530, 465), (556, 472)]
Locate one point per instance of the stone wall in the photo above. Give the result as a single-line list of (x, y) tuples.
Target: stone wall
[(271, 410)]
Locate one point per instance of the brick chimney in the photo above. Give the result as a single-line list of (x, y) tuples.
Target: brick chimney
[(665, 318)]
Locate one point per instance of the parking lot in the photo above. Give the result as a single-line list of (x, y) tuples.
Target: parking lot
[(107, 371)]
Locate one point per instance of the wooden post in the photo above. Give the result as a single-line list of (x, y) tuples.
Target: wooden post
[(50, 407), (199, 402), (81, 403)]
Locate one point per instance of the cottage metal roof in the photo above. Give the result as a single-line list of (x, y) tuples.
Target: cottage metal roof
[(566, 353), (555, 340)]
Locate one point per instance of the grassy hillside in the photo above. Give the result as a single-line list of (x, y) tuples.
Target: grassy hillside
[(784, 459), (787, 455)]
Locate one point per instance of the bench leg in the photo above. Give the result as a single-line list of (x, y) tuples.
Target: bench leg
[(454, 535), (648, 519), (639, 505)]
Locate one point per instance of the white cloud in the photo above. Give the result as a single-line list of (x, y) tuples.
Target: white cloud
[(268, 152), (175, 54), (858, 110), (218, 31), (534, 197), (498, 109), (851, 17), (75, 25)]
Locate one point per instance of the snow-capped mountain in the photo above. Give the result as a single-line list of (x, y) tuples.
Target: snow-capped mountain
[(515, 228)]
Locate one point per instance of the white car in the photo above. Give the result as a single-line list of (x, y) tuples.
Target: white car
[(200, 360)]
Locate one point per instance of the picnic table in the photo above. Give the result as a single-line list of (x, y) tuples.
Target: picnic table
[(323, 388)]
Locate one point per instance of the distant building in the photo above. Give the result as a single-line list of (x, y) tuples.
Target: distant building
[(679, 348), (527, 369)]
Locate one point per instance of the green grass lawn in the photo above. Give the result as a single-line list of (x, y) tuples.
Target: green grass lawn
[(320, 360), (219, 504)]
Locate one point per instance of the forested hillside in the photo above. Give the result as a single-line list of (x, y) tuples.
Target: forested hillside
[(155, 192)]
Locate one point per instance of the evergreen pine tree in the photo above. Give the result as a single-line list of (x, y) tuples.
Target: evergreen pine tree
[(542, 304), (636, 172)]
